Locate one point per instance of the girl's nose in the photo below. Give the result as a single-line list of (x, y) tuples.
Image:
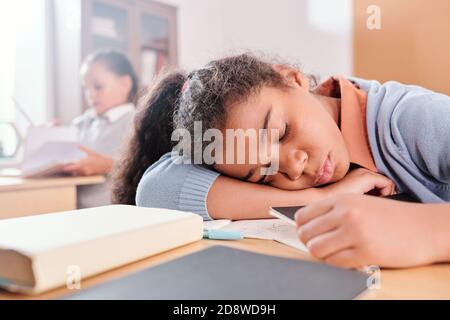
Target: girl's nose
[(293, 163)]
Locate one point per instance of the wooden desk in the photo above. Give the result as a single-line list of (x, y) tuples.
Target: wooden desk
[(432, 282), (21, 197)]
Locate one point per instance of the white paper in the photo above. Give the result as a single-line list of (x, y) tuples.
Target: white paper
[(269, 229), (51, 156), (216, 224), (37, 136), (47, 150)]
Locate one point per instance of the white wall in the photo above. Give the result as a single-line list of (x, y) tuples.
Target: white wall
[(24, 72), (8, 26), (24, 61), (68, 58), (314, 33)]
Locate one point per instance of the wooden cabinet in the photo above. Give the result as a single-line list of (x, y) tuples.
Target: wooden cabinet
[(145, 30), (412, 45)]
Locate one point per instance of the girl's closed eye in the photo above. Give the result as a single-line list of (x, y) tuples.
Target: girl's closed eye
[(266, 178), (286, 133), (263, 180)]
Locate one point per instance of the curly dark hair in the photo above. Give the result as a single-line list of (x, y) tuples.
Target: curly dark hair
[(177, 100)]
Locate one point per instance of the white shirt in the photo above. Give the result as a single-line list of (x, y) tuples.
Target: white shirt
[(105, 134)]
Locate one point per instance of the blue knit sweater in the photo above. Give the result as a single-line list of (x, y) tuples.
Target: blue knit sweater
[(409, 135)]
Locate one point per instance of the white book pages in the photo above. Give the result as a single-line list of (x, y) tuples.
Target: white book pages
[(269, 229)]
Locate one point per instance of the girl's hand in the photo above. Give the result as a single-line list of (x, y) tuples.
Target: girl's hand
[(93, 164), (353, 230), (361, 181)]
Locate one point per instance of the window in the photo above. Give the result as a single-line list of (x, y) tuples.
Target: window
[(24, 61), (24, 56)]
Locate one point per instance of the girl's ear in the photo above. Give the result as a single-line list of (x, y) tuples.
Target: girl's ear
[(293, 76), (301, 80), (127, 83)]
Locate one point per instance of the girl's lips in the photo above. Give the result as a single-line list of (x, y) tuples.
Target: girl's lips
[(326, 172)]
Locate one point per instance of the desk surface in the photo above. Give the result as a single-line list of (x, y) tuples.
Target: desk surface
[(16, 183), (42, 195), (431, 282)]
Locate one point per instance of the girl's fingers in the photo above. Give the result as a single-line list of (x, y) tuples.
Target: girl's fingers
[(327, 244), (313, 211), (71, 168), (322, 224), (387, 190), (347, 258), (86, 150), (385, 186)]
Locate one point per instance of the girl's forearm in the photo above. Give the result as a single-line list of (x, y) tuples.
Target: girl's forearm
[(237, 200), (109, 165), (439, 229)]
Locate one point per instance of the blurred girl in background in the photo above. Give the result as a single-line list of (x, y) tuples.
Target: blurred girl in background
[(110, 85)]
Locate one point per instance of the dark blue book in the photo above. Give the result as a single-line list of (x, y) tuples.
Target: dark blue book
[(222, 273)]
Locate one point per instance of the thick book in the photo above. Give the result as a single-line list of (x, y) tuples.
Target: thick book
[(222, 273), (39, 253)]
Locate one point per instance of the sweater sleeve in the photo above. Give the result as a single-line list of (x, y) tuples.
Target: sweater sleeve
[(170, 185), (424, 126)]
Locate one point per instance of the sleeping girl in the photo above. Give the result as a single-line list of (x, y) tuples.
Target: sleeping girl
[(338, 144)]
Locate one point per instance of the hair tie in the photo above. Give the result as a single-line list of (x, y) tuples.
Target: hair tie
[(185, 86)]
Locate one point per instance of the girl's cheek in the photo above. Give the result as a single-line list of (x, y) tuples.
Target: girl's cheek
[(273, 180), (278, 181), (282, 182)]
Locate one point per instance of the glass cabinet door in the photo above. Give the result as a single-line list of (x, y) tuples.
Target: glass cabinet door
[(109, 26), (143, 29), (154, 45)]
